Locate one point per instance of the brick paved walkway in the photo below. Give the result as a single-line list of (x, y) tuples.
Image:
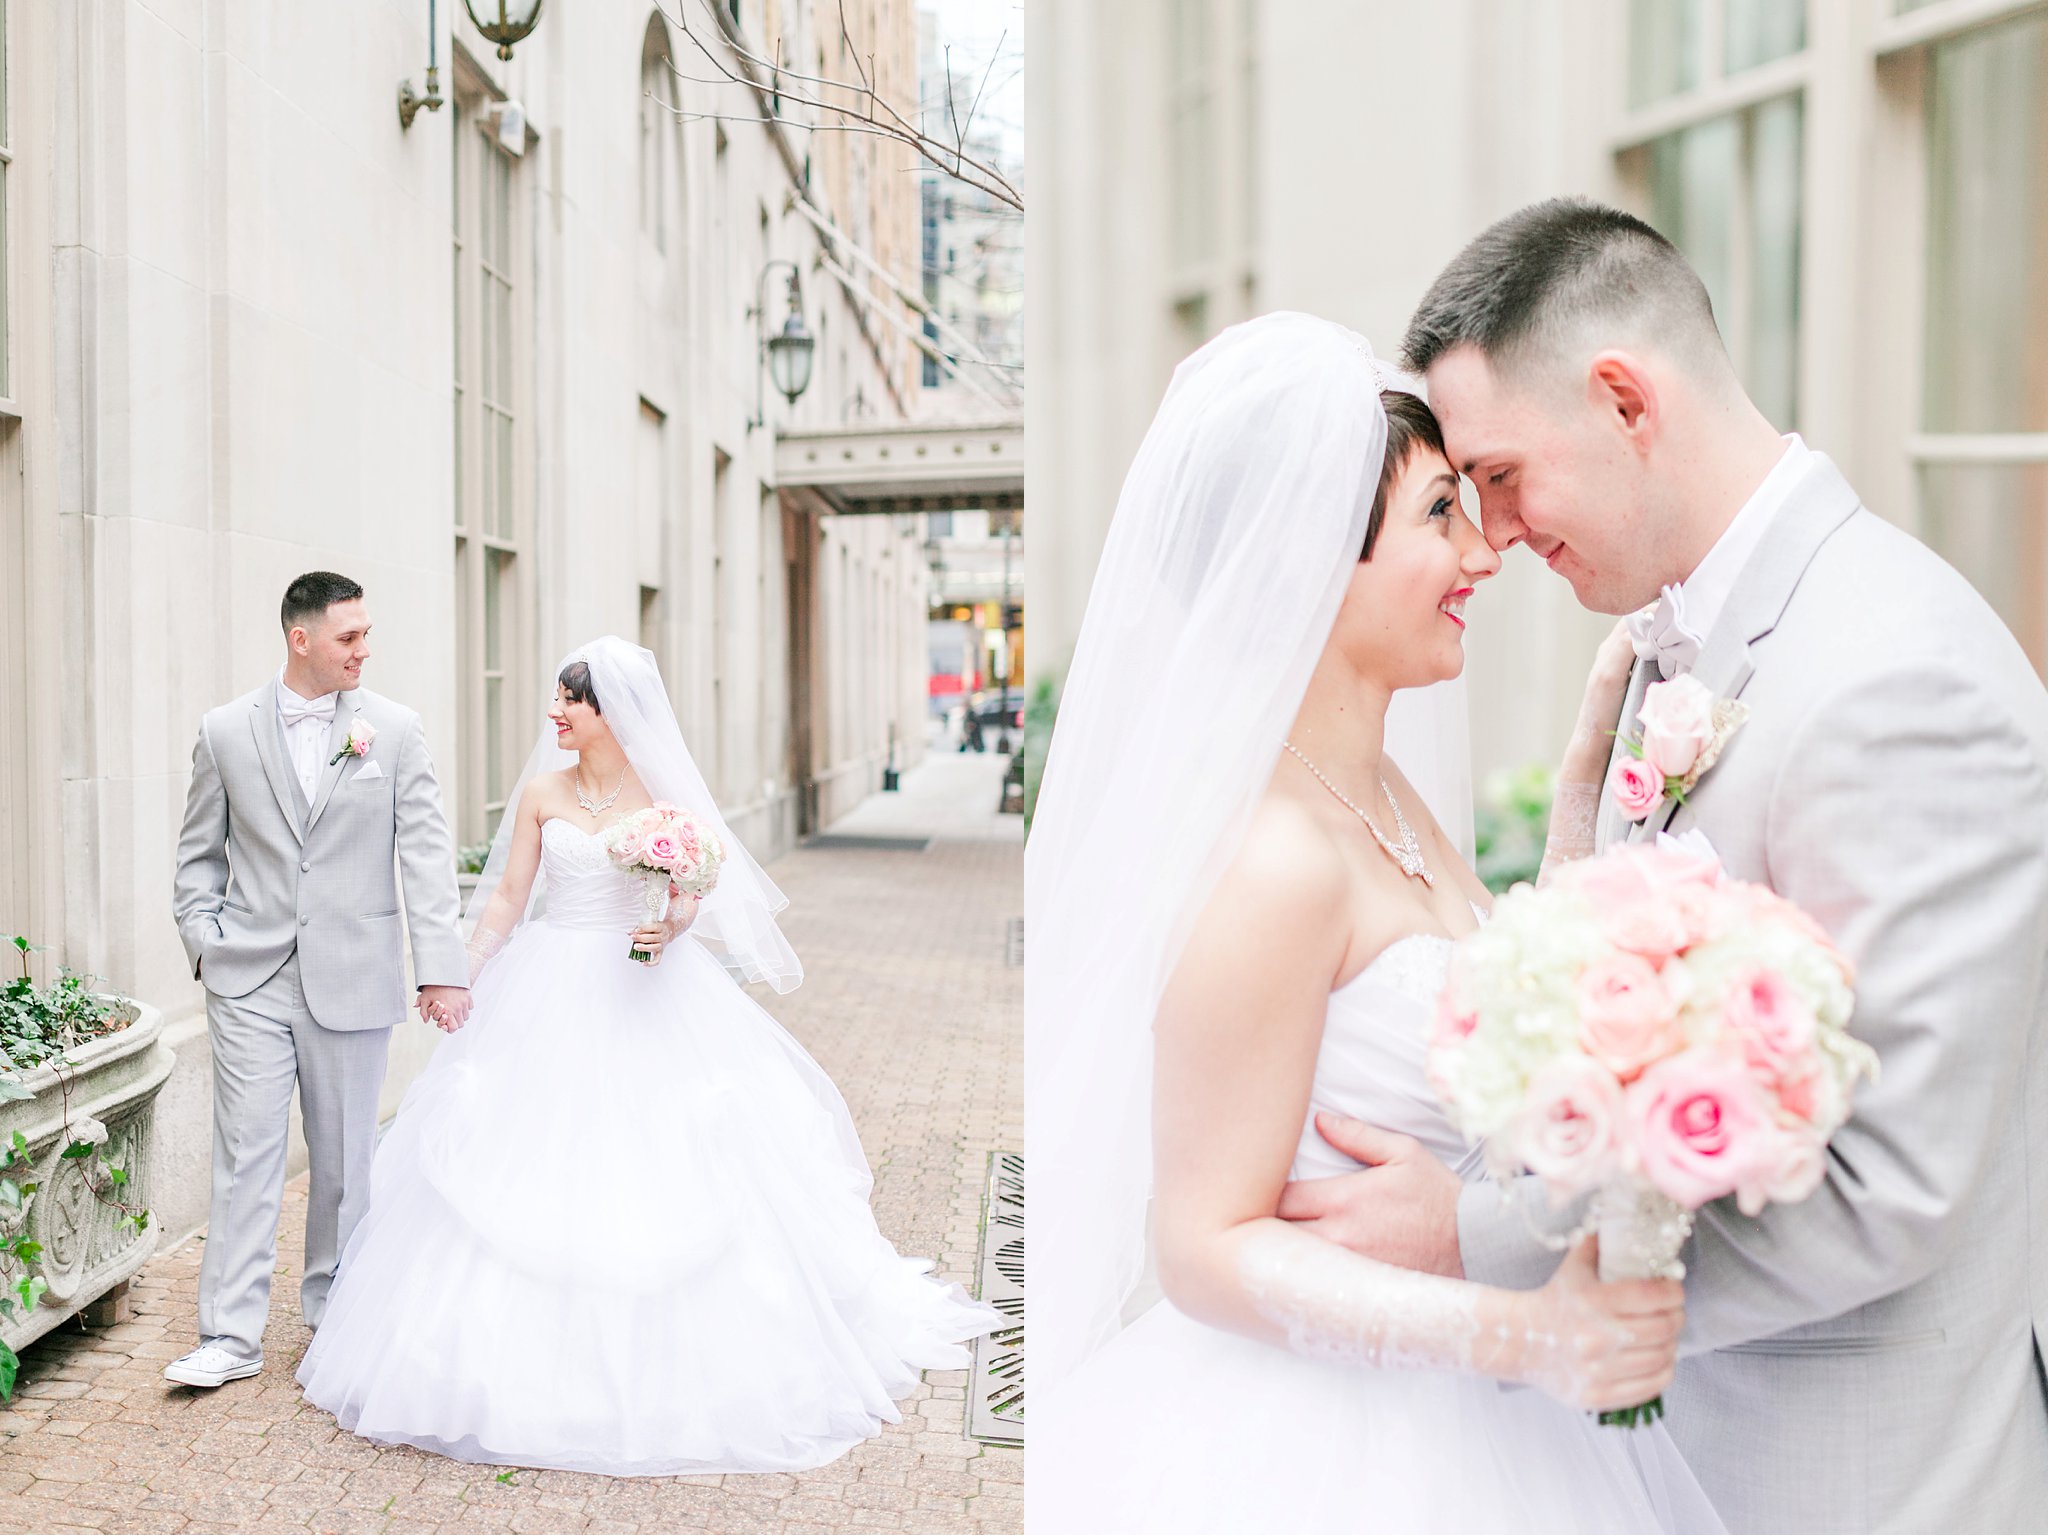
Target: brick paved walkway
[(907, 1002)]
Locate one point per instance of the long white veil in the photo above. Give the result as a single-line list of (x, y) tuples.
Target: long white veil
[(737, 920), (1237, 531)]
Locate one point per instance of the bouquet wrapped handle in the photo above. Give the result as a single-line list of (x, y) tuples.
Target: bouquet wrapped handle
[(1641, 1230), (654, 906)]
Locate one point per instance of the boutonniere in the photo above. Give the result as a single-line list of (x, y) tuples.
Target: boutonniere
[(360, 734), (1685, 730)]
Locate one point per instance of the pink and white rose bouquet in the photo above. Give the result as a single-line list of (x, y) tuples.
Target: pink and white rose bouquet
[(670, 851), (1652, 1032)]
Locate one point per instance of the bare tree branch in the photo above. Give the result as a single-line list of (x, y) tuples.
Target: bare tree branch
[(870, 111)]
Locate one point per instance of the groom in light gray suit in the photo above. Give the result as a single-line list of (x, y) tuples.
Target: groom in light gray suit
[(306, 794), (1869, 1359)]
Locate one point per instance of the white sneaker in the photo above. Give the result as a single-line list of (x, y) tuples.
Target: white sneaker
[(210, 1364)]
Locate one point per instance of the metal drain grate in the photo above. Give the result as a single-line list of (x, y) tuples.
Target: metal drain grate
[(1013, 943), (995, 1400), (870, 844)]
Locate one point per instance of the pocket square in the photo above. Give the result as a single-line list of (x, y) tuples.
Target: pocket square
[(369, 770)]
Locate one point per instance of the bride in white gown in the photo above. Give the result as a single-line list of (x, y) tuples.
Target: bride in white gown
[(620, 1223), (1241, 911)]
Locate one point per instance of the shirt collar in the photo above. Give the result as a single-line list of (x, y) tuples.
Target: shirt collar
[(285, 689), (1707, 589)]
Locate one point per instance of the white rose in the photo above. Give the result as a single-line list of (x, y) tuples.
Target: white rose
[(1678, 720)]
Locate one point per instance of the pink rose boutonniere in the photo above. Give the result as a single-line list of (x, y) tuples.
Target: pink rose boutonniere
[(1685, 730), (361, 733)]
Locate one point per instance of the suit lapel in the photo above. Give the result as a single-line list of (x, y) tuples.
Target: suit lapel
[(337, 737), (1614, 826), (1820, 503), (284, 783)]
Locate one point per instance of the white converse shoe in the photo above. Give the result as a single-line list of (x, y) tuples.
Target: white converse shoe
[(211, 1364)]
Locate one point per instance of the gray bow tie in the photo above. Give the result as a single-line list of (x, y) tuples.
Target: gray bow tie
[(1661, 634)]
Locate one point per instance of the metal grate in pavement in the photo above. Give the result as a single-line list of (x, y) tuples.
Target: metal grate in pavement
[(1013, 945), (845, 840), (995, 1398)]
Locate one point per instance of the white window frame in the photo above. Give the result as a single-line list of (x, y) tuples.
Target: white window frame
[(476, 542)]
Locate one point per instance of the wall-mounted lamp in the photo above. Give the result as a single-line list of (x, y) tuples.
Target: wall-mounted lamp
[(786, 355), (504, 22), (410, 101)]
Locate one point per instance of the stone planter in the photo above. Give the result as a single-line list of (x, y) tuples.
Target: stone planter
[(88, 1250)]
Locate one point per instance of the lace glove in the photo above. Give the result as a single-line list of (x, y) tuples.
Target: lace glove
[(653, 938), (483, 945), (1574, 824), (1575, 807), (1590, 1345)]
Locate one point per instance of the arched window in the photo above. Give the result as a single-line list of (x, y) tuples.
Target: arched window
[(658, 99)]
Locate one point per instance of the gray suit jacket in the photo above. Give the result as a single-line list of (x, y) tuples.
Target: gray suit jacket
[(1871, 1359), (260, 873)]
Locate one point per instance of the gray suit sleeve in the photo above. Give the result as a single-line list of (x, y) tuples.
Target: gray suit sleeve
[(1509, 1236), (201, 884), (426, 867), (1910, 819)]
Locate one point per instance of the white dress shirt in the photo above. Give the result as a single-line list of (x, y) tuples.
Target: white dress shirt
[(1707, 589), (306, 723), (1677, 625)]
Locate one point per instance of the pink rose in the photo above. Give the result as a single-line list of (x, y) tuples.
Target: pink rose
[(1678, 720), (661, 850), (1636, 786), (1701, 1125), (1789, 1168), (1627, 1019), (1454, 1022), (629, 845), (1776, 1028), (1638, 907), (1569, 1130)]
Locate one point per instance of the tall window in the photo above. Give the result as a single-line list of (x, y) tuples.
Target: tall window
[(657, 131), (721, 622), (489, 470), (1720, 174), (1982, 454), (6, 162), (1191, 132)]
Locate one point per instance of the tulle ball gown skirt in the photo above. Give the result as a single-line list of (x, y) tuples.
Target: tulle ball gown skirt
[(621, 1225), (1177, 1428)]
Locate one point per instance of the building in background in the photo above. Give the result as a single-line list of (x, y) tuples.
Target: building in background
[(972, 244), (1863, 185), (503, 365)]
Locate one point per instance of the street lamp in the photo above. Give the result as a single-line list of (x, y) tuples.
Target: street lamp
[(504, 22), (786, 355)]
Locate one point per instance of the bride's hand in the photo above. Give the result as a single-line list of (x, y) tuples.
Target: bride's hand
[(1600, 709), (650, 938), (1598, 1346)]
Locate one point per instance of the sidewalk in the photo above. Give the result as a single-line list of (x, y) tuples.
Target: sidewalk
[(908, 1002)]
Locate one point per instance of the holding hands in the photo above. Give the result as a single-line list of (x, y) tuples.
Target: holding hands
[(445, 1007)]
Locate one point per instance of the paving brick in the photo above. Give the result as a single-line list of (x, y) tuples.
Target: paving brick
[(907, 1003)]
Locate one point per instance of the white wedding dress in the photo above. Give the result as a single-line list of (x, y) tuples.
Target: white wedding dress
[(621, 1225), (1176, 1426)]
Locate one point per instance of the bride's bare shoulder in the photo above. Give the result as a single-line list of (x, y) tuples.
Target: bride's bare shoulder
[(1287, 863)]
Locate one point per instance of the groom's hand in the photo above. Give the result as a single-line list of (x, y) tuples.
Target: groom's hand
[(446, 1007), (1401, 1207)]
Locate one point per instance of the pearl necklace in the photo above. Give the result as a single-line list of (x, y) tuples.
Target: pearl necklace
[(1409, 854), (599, 806)]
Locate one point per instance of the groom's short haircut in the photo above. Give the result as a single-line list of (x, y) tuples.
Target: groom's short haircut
[(313, 594), (1546, 273)]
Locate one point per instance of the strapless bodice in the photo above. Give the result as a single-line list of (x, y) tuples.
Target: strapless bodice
[(583, 888), (1372, 1058)]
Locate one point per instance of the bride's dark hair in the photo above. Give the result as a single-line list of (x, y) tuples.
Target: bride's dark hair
[(575, 681), (1410, 425)]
